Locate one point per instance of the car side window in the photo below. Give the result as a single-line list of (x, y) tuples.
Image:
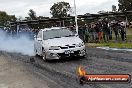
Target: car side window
[(39, 34)]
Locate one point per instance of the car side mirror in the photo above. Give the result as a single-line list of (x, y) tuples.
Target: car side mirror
[(39, 39)]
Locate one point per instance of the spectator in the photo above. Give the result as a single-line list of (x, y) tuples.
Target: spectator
[(122, 31), (116, 30), (106, 32), (81, 32), (87, 34), (99, 31), (93, 32)]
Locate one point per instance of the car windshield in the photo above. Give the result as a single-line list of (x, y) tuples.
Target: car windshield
[(57, 33)]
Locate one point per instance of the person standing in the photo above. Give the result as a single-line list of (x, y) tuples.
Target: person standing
[(106, 31), (110, 29), (122, 31), (99, 31), (93, 32), (87, 34), (81, 32), (116, 30)]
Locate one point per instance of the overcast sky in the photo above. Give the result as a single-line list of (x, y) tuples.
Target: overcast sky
[(42, 7)]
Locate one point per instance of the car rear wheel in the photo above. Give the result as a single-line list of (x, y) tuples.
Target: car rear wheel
[(44, 56), (35, 52)]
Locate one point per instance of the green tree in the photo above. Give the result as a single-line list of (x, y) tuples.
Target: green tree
[(4, 18), (87, 14), (125, 5), (60, 9), (32, 14), (12, 18), (114, 8)]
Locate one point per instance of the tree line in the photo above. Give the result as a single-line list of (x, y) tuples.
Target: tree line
[(5, 18)]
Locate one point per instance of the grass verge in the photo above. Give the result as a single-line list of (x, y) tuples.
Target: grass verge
[(111, 45)]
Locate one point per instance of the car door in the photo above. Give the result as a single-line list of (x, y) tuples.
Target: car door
[(39, 43)]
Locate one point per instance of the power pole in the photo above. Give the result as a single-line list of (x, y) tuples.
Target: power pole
[(75, 16)]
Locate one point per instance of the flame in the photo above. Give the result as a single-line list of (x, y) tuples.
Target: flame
[(81, 71)]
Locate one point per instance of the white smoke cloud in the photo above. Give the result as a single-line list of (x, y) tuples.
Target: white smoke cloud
[(23, 44)]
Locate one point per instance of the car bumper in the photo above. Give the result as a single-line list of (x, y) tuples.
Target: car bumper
[(60, 54)]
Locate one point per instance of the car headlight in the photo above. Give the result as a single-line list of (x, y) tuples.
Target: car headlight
[(80, 44), (54, 48)]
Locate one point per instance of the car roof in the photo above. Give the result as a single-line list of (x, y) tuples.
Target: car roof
[(53, 28)]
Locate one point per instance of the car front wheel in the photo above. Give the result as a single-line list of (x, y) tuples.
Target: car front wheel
[(44, 56)]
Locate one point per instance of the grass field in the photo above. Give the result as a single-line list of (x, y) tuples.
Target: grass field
[(129, 34), (111, 45)]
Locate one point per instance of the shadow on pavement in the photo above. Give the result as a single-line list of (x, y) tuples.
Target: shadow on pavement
[(59, 60)]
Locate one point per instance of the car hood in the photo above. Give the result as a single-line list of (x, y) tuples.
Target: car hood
[(62, 41)]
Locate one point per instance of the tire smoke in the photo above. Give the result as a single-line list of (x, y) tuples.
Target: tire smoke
[(22, 44)]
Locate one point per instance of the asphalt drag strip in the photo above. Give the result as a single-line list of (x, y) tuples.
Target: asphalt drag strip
[(63, 73)]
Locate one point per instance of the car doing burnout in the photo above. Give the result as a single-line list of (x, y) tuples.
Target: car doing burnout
[(57, 43)]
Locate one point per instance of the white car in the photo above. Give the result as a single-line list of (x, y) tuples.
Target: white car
[(57, 43)]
